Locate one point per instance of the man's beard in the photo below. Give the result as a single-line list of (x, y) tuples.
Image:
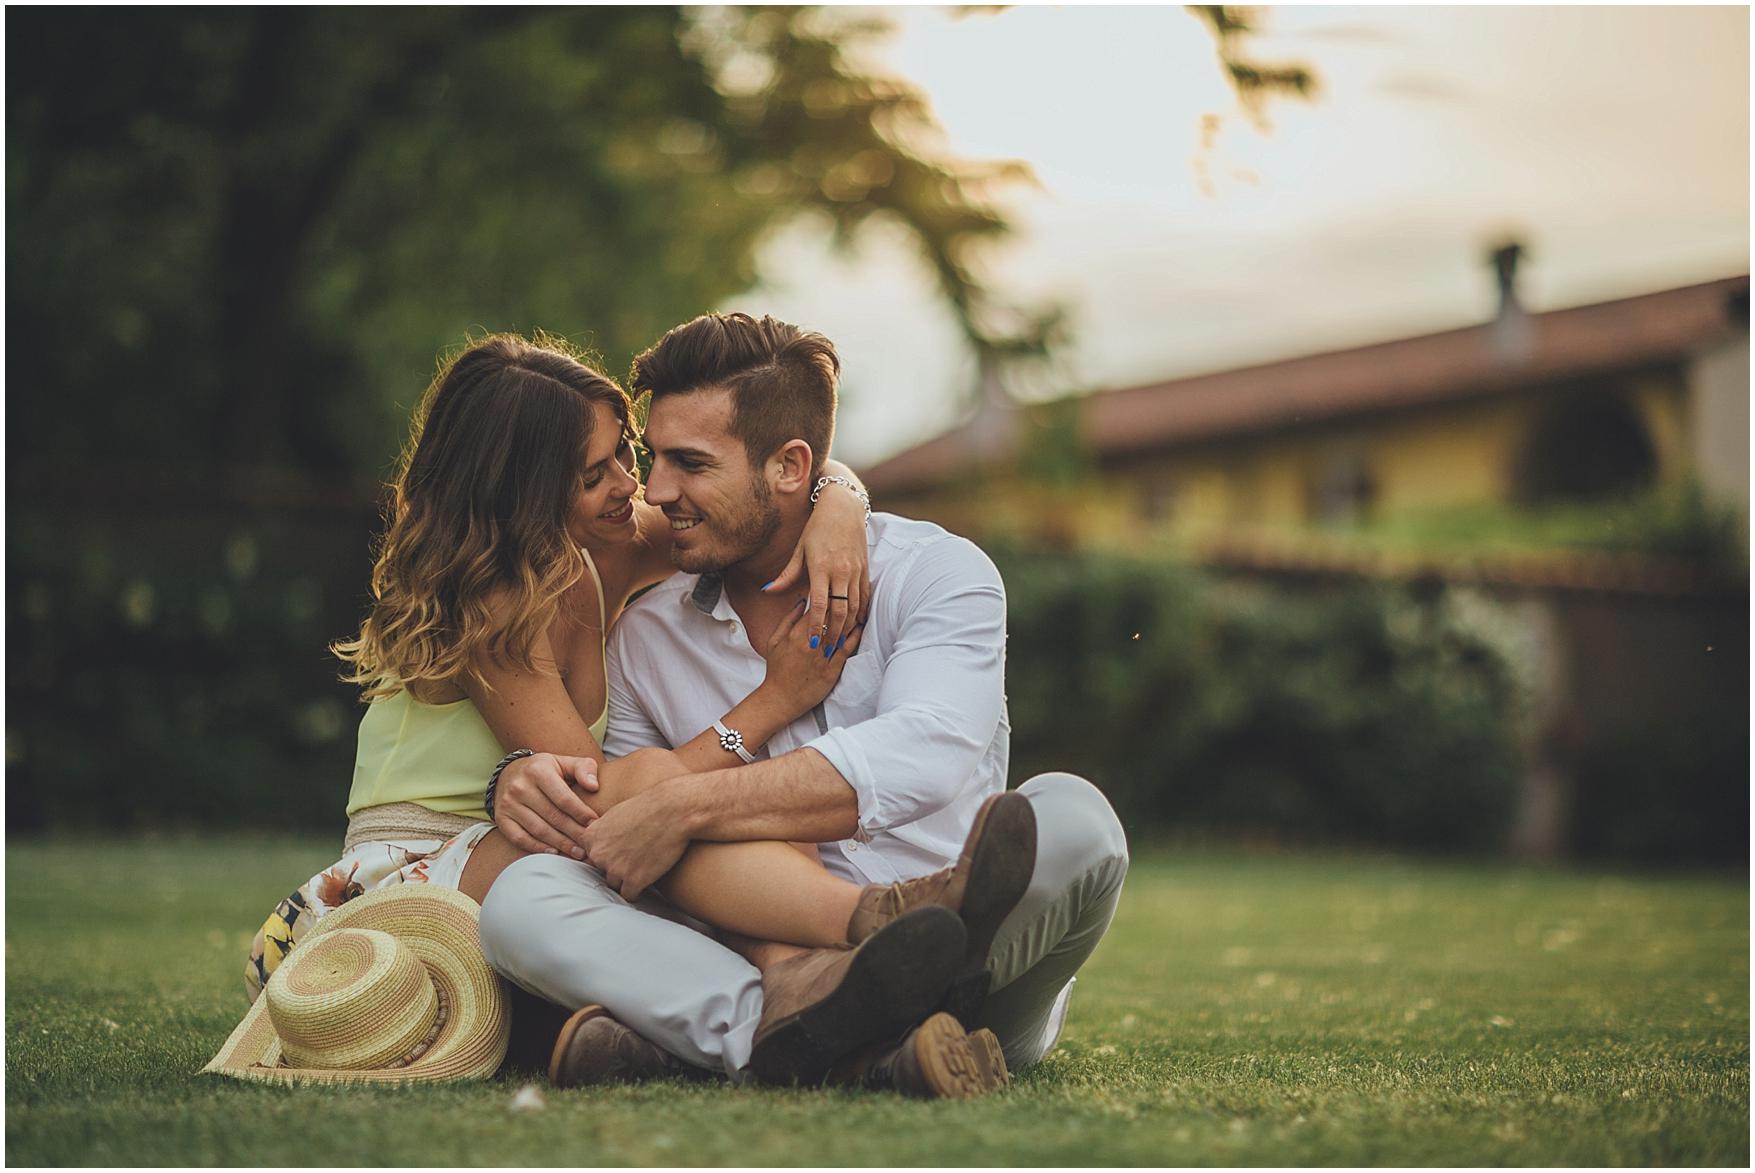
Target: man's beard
[(736, 537)]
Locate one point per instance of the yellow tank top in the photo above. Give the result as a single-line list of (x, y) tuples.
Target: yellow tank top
[(439, 756)]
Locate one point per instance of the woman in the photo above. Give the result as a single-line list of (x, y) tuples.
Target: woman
[(515, 536)]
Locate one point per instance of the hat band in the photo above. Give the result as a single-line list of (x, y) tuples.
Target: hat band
[(426, 1044)]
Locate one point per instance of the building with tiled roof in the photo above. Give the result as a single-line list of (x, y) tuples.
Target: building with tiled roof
[(1587, 403)]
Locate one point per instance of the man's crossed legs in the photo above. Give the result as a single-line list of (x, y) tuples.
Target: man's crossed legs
[(554, 927)]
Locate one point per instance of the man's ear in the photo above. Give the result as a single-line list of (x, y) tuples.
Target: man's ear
[(790, 467)]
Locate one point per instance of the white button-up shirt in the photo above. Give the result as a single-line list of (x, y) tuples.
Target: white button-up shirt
[(916, 725)]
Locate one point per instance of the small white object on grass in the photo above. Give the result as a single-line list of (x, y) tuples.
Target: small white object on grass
[(528, 1099)]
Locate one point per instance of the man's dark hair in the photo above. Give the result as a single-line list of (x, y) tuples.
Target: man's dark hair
[(781, 378)]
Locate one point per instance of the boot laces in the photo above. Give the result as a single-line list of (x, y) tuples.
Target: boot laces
[(920, 890)]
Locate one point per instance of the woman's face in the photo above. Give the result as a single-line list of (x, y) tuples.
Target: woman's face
[(603, 508)]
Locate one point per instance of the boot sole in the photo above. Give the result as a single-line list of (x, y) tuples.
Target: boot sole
[(989, 1057), (999, 875), (896, 978), (957, 1066)]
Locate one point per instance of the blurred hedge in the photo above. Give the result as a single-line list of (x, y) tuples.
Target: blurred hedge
[(1663, 791), (1359, 715), (174, 673)]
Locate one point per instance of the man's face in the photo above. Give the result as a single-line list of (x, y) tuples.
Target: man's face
[(721, 510)]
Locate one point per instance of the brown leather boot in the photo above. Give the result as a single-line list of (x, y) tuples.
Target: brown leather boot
[(989, 878), (594, 1048), (935, 1060), (824, 1004)]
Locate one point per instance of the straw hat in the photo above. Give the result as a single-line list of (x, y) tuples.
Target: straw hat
[(389, 988)]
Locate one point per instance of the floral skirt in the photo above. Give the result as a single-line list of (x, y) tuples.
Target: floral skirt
[(363, 867)]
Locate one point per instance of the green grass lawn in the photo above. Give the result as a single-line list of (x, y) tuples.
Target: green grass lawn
[(1293, 1010)]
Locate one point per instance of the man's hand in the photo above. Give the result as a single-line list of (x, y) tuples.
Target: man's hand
[(538, 808), (640, 839)]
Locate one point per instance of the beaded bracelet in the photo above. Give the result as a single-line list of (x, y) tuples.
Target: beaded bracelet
[(487, 802)]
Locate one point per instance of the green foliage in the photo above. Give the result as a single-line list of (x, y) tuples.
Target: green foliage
[(1679, 522), (247, 238), (183, 684), (1363, 715), (1255, 81), (1053, 452), (1269, 1011)]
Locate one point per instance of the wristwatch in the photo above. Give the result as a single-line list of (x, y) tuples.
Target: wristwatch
[(731, 741)]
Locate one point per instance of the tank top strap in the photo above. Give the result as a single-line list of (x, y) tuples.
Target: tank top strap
[(597, 581), (600, 726)]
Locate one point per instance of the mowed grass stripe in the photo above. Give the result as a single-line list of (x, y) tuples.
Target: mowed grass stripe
[(1288, 1009)]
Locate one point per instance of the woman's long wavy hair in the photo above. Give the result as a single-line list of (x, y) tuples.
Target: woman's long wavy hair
[(475, 554)]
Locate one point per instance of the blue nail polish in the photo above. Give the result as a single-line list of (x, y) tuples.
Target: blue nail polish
[(827, 652), (839, 642), (767, 584), (813, 641)]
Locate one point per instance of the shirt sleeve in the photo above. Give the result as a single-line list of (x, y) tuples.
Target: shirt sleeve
[(942, 693), (630, 726)]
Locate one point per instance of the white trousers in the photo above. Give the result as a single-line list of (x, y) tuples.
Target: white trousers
[(554, 927)]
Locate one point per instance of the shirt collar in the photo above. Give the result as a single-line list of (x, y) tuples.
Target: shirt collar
[(708, 596)]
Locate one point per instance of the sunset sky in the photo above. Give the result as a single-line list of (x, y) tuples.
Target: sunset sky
[(1614, 141)]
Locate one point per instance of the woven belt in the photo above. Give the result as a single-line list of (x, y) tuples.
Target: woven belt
[(403, 820)]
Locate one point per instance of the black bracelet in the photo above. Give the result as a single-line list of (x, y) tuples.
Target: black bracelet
[(487, 803)]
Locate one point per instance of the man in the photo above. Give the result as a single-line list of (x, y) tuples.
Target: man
[(899, 776)]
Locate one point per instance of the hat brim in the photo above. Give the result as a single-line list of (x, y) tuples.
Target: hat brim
[(441, 926)]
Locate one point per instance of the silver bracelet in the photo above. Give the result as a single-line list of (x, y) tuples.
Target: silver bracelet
[(731, 741), (845, 483)]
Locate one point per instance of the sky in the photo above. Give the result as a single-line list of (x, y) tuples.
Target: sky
[(1613, 141)]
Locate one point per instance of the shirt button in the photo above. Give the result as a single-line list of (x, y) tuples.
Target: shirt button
[(853, 847)]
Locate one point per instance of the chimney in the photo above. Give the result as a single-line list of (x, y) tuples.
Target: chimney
[(1511, 334)]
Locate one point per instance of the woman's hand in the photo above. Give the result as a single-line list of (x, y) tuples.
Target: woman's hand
[(799, 674), (537, 804), (833, 552)]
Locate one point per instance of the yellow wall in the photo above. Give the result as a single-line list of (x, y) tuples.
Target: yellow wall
[(1663, 405), (1436, 457)]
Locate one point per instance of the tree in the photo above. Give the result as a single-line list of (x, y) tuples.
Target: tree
[(237, 233)]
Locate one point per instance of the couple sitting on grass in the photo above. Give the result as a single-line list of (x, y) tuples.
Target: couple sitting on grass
[(797, 862)]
